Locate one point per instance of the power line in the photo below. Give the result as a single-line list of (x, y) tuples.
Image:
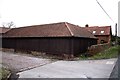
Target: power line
[(105, 11), (111, 19)]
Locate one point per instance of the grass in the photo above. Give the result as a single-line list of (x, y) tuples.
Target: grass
[(112, 52), (4, 73)]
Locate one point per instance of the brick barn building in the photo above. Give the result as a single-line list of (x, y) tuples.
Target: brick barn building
[(55, 38)]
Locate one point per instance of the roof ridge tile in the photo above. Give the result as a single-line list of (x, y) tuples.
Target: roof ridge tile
[(69, 29)]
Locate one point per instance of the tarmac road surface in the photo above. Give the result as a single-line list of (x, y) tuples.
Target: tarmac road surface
[(72, 69), (31, 67)]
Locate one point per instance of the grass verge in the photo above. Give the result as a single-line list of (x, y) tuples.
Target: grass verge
[(112, 52), (4, 73)]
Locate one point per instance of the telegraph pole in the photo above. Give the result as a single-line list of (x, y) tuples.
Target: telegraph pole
[(116, 33)]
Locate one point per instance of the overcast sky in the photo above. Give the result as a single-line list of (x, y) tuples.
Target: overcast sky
[(79, 12)]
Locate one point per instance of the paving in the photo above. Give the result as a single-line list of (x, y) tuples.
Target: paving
[(17, 62), (72, 69)]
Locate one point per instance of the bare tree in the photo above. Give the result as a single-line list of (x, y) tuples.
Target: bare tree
[(8, 24)]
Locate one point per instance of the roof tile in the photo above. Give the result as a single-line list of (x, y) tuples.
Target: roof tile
[(4, 30), (106, 30), (62, 29)]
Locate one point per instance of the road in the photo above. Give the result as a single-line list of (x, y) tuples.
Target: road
[(31, 67), (72, 69)]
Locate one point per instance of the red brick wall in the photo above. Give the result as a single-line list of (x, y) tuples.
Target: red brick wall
[(94, 49), (105, 38)]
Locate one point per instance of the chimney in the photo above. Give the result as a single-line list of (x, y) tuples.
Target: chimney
[(86, 25)]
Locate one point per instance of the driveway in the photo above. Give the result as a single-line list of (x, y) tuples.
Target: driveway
[(17, 62), (72, 69)]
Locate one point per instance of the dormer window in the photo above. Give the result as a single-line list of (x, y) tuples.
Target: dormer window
[(102, 32), (94, 32)]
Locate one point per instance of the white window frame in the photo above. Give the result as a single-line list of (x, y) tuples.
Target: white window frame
[(94, 32), (102, 32)]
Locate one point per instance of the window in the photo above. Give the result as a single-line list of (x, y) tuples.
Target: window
[(94, 32), (102, 31)]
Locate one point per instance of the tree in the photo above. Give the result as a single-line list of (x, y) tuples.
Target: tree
[(8, 24)]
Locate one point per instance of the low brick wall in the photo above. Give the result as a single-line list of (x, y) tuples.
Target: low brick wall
[(94, 49)]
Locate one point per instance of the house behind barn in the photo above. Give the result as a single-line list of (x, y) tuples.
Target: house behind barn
[(103, 33), (56, 38)]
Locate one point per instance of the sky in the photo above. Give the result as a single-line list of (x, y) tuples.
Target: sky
[(78, 12)]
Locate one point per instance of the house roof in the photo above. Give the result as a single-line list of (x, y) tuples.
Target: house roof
[(3, 30), (62, 29), (102, 30)]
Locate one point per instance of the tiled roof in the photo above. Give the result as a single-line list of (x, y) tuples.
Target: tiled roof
[(4, 30), (62, 29), (102, 30)]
